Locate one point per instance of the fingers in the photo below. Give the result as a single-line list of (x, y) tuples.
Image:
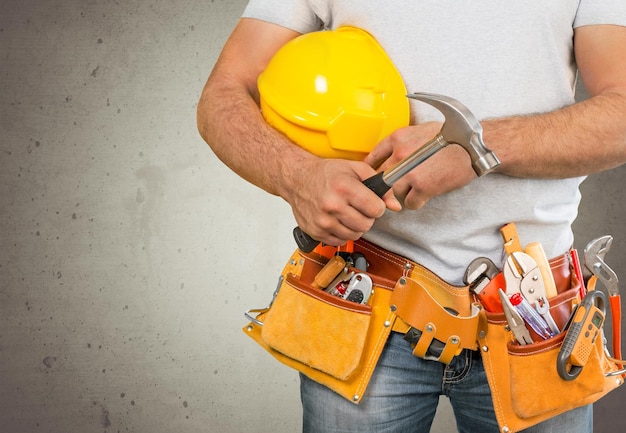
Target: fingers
[(391, 201), (336, 228), (379, 154), (334, 206), (446, 171), (401, 143)]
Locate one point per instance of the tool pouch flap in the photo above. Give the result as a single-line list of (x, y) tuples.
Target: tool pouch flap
[(417, 306), (524, 382), (317, 329), (333, 341)]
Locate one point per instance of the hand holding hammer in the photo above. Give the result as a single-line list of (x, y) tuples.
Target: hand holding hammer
[(460, 127)]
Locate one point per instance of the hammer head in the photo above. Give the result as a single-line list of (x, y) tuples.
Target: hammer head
[(461, 127)]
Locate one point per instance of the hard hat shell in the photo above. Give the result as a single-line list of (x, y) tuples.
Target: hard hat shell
[(335, 93)]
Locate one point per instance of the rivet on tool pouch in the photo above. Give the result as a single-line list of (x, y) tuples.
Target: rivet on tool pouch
[(439, 333)]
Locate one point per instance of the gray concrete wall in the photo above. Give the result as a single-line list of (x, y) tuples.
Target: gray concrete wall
[(128, 253)]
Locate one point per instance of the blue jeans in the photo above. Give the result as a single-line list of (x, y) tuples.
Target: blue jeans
[(403, 394)]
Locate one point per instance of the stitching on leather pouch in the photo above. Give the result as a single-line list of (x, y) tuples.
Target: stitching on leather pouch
[(383, 286), (552, 346), (497, 406), (311, 259), (457, 293), (371, 363), (390, 258)]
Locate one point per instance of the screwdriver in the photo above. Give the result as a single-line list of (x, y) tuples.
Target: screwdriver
[(531, 316)]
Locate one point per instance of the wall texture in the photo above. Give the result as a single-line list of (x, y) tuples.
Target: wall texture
[(128, 252)]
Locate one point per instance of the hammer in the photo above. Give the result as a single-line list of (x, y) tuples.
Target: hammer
[(460, 127)]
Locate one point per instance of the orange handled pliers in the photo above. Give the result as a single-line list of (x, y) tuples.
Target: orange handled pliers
[(594, 261)]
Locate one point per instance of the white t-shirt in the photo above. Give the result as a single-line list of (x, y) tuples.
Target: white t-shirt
[(499, 58)]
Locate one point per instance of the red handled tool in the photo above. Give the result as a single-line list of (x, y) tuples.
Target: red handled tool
[(594, 261)]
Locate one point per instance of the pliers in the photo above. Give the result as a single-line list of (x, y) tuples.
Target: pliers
[(594, 261), (515, 321), (523, 275)]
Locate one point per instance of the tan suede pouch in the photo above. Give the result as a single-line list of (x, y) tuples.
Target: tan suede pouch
[(317, 329), (332, 341), (524, 382)]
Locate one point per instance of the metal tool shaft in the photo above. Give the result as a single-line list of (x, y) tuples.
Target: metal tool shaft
[(394, 174), (460, 127)]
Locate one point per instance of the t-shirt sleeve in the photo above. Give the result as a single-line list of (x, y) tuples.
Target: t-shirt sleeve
[(293, 14), (592, 12)]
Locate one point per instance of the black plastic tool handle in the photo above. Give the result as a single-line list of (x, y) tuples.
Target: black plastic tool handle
[(376, 183)]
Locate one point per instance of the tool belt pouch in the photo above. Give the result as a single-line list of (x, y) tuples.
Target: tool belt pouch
[(441, 317), (525, 385), (333, 341)]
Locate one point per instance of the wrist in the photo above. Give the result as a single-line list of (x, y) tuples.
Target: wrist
[(498, 138), (296, 166)]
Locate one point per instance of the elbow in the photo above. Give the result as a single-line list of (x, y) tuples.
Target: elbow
[(203, 114), (200, 119)]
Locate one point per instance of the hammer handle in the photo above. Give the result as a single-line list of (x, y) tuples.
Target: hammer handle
[(382, 182), (305, 242)]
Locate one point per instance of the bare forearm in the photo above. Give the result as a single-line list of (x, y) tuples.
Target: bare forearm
[(230, 122), (326, 195), (578, 140)]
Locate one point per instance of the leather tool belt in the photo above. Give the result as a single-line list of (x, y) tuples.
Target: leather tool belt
[(440, 319), (337, 342), (429, 311)]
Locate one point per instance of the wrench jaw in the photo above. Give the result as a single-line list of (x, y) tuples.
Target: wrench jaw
[(607, 277), (597, 248), (542, 305), (594, 261), (479, 269)]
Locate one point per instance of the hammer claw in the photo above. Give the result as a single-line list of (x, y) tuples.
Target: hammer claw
[(462, 128)]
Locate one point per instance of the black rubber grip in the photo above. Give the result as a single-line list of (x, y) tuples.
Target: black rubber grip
[(305, 242), (377, 184)]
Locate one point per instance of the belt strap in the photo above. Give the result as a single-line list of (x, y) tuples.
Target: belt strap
[(456, 332), (390, 267), (420, 298)]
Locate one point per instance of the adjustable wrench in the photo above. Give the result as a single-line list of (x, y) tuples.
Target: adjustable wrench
[(479, 270), (543, 308), (594, 261), (484, 279)]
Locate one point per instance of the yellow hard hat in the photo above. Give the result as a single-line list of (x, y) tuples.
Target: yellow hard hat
[(335, 93)]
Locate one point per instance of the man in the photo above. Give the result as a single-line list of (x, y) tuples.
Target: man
[(514, 64)]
